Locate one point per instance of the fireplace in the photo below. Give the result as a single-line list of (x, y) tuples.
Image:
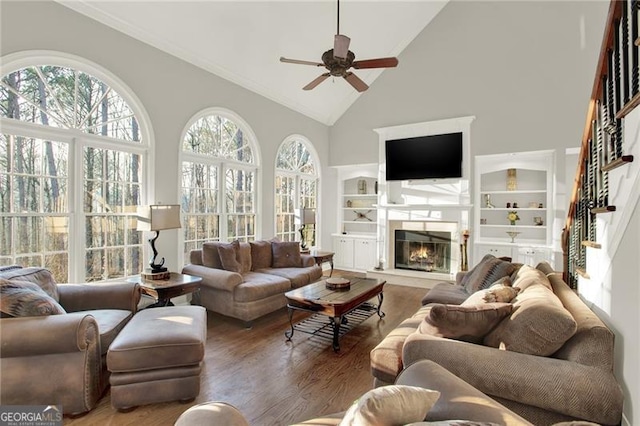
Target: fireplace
[(428, 251)]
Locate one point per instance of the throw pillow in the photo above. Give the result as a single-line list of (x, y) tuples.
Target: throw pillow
[(454, 423), (391, 405), (489, 270), (286, 254), (528, 275), (500, 292), (26, 299), (539, 324), (466, 323), (261, 256), (243, 255), (228, 257), (33, 274)]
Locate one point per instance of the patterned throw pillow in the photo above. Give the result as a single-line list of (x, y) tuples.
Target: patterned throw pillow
[(467, 323), (33, 274), (391, 405), (286, 254), (488, 271), (26, 299)]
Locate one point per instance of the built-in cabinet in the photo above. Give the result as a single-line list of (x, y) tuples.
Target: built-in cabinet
[(356, 253), (514, 186), (355, 243)]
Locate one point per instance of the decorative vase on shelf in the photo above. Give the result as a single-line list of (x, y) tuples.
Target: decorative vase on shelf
[(487, 201), (512, 217), (362, 186), (513, 235), (512, 183)]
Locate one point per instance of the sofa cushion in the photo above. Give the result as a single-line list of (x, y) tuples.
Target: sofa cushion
[(258, 286), (489, 270), (36, 275), (539, 324), (261, 256), (286, 254), (499, 292), (229, 256), (467, 323), (110, 323), (391, 405), (299, 277), (447, 293), (26, 299)]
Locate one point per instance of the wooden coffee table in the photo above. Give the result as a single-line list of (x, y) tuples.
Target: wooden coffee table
[(335, 304), (164, 290)]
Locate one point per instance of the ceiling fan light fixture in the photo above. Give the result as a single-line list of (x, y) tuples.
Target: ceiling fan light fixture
[(341, 46)]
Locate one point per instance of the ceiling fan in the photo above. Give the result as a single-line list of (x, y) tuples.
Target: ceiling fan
[(340, 59)]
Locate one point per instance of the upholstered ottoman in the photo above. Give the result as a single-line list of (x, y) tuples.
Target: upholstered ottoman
[(157, 357)]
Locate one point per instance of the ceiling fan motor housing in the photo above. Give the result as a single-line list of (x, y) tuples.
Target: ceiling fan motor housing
[(337, 66)]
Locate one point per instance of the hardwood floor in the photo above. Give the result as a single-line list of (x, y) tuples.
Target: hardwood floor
[(271, 381)]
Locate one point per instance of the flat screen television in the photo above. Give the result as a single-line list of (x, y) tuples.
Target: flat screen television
[(424, 157)]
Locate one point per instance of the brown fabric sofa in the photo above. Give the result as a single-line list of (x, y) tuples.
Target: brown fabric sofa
[(458, 401), (61, 359), (574, 382), (264, 271)]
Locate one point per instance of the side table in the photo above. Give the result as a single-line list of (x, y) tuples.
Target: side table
[(323, 256), (166, 289)]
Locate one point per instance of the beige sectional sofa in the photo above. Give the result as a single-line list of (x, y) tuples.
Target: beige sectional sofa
[(248, 280), (549, 360)]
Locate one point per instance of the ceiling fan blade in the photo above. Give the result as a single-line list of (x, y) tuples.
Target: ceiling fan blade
[(297, 61), (317, 81), (355, 81), (341, 46), (375, 63)]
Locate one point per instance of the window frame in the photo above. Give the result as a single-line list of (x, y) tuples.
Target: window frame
[(222, 164), (78, 140)]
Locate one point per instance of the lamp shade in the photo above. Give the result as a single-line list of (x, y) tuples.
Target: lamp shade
[(307, 216), (158, 217)]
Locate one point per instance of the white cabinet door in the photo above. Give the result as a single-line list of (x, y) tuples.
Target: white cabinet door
[(497, 251), (533, 255), (343, 248), (364, 256)]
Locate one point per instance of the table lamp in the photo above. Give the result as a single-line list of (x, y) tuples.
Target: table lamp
[(307, 217), (157, 218)]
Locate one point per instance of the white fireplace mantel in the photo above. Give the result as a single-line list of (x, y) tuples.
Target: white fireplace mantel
[(436, 204)]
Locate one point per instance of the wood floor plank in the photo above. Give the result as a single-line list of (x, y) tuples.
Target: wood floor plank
[(271, 381)]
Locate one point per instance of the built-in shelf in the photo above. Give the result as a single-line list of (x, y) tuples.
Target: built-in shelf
[(514, 226), (424, 206), (526, 191), (513, 208)]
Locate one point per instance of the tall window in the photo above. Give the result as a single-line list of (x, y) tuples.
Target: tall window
[(219, 171), (296, 188), (71, 161)]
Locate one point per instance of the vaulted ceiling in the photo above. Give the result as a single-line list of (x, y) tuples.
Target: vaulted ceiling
[(242, 41)]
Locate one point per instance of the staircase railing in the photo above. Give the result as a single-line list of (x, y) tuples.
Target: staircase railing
[(615, 93)]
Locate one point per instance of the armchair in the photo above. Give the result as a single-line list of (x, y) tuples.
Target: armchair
[(61, 359)]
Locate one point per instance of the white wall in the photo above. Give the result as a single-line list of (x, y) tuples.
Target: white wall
[(613, 289), (524, 69), (172, 91)]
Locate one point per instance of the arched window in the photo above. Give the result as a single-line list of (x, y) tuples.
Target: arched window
[(72, 154), (296, 188), (219, 177)]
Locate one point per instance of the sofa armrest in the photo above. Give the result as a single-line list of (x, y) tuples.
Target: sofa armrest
[(458, 399), (215, 278), (307, 260), (45, 335), (552, 384), (459, 276), (107, 295)]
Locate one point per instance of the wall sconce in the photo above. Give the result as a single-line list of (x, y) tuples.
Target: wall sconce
[(157, 218)]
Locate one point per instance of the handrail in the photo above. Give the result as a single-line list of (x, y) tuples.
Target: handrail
[(612, 68)]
